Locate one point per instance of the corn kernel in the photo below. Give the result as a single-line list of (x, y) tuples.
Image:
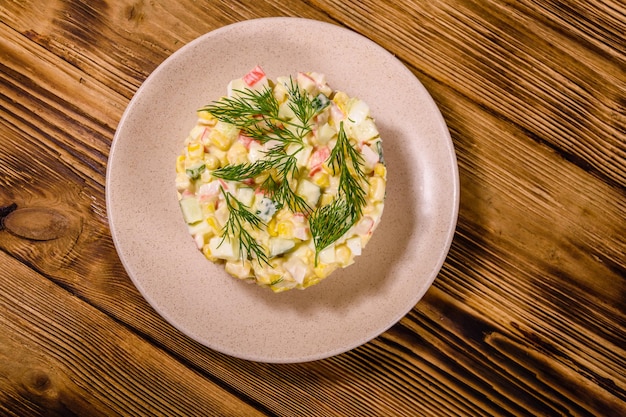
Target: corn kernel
[(180, 164), (223, 135), (266, 275), (208, 208), (285, 229), (238, 268), (309, 258), (323, 270), (195, 150), (219, 140), (206, 118), (309, 281), (327, 169), (237, 154), (377, 189), (214, 224), (343, 255), (321, 179), (211, 161), (380, 170), (206, 250), (220, 155), (341, 100), (326, 199), (272, 228)]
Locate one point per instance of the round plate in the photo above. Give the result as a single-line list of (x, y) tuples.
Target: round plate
[(353, 305)]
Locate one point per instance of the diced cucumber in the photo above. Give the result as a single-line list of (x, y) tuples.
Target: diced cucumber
[(279, 245), (265, 209), (285, 111), (245, 195), (325, 134), (365, 130), (192, 212), (320, 102), (223, 248), (359, 111), (301, 152), (195, 171)]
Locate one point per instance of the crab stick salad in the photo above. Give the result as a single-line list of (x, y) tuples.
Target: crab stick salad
[(282, 181)]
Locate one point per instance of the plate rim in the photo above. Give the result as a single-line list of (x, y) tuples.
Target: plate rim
[(454, 194)]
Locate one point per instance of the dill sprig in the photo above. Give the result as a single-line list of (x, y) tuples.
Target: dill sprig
[(236, 227), (345, 159), (332, 221), (240, 172), (329, 223), (302, 106), (256, 114), (247, 110)]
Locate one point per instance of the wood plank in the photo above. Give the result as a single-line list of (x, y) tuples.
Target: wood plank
[(120, 43), (66, 358), (485, 171), (554, 204), (509, 60)]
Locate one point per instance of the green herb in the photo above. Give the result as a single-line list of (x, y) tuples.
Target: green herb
[(239, 219), (247, 111), (329, 223), (195, 171), (332, 221), (240, 172), (256, 114), (276, 281)]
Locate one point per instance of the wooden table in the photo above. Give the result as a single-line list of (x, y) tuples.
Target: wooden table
[(527, 315)]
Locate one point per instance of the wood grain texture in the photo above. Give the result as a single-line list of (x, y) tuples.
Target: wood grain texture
[(66, 358), (527, 315), (520, 65)]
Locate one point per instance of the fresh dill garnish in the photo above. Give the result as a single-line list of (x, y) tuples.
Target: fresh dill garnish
[(239, 219), (256, 114), (240, 172), (345, 159), (330, 222), (247, 111), (302, 106)]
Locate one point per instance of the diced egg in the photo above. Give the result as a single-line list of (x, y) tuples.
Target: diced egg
[(354, 244), (296, 268), (309, 191), (327, 255), (359, 111), (245, 195)]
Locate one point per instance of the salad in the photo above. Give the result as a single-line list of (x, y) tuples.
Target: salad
[(282, 181)]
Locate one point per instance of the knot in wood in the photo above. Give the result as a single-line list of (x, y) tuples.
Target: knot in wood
[(36, 223), (37, 380)]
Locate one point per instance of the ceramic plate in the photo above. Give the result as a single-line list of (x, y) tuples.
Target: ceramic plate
[(353, 305)]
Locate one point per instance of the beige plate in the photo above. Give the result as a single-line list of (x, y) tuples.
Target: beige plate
[(353, 305)]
